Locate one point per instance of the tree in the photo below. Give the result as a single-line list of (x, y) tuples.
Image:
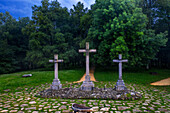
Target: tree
[(50, 33), (119, 27), (13, 43), (157, 12)]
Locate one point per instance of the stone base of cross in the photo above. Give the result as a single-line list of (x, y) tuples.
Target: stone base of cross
[(56, 85), (120, 85), (87, 84)]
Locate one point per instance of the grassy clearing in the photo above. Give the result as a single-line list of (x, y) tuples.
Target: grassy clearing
[(142, 77), (15, 80)]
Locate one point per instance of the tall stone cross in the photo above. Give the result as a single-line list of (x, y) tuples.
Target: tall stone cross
[(120, 83), (87, 84), (56, 82)]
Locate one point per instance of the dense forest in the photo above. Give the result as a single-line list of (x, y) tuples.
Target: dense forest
[(138, 29)]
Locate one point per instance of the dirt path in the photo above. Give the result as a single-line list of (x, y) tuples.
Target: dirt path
[(164, 82), (91, 76)]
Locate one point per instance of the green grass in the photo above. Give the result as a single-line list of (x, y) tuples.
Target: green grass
[(15, 80), (142, 77)]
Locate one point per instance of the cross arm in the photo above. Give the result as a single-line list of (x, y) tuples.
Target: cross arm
[(55, 61), (124, 60), (120, 60), (115, 60), (82, 50), (60, 60), (92, 50), (51, 60)]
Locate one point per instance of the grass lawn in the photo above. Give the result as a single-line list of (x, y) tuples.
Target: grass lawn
[(15, 80), (141, 77)]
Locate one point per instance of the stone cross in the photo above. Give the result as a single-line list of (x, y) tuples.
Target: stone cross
[(87, 84), (120, 84), (56, 82)]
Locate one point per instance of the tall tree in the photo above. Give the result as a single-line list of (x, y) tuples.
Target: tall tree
[(50, 33), (119, 26), (13, 43), (158, 12)]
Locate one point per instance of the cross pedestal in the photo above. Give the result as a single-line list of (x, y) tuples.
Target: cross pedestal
[(87, 84), (56, 82), (120, 85)]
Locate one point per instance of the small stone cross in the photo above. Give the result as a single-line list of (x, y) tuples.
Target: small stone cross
[(120, 84), (56, 82), (87, 84)]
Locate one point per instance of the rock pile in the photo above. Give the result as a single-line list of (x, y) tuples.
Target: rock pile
[(96, 93)]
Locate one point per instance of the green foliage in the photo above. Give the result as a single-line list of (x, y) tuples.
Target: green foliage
[(13, 45), (53, 30), (158, 13), (119, 26)]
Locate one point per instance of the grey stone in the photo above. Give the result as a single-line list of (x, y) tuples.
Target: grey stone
[(22, 108), (58, 112), (41, 105), (136, 110), (16, 105), (95, 108), (151, 108), (144, 108), (20, 112), (162, 109), (7, 90), (122, 108), (35, 112), (84, 101), (47, 107), (65, 111), (107, 105), (156, 103), (118, 96), (32, 102), (27, 75), (23, 105), (114, 109), (126, 111), (55, 106), (104, 109), (64, 102), (95, 103), (13, 111), (50, 110), (4, 111), (31, 108), (117, 112), (145, 104), (62, 107), (39, 109)]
